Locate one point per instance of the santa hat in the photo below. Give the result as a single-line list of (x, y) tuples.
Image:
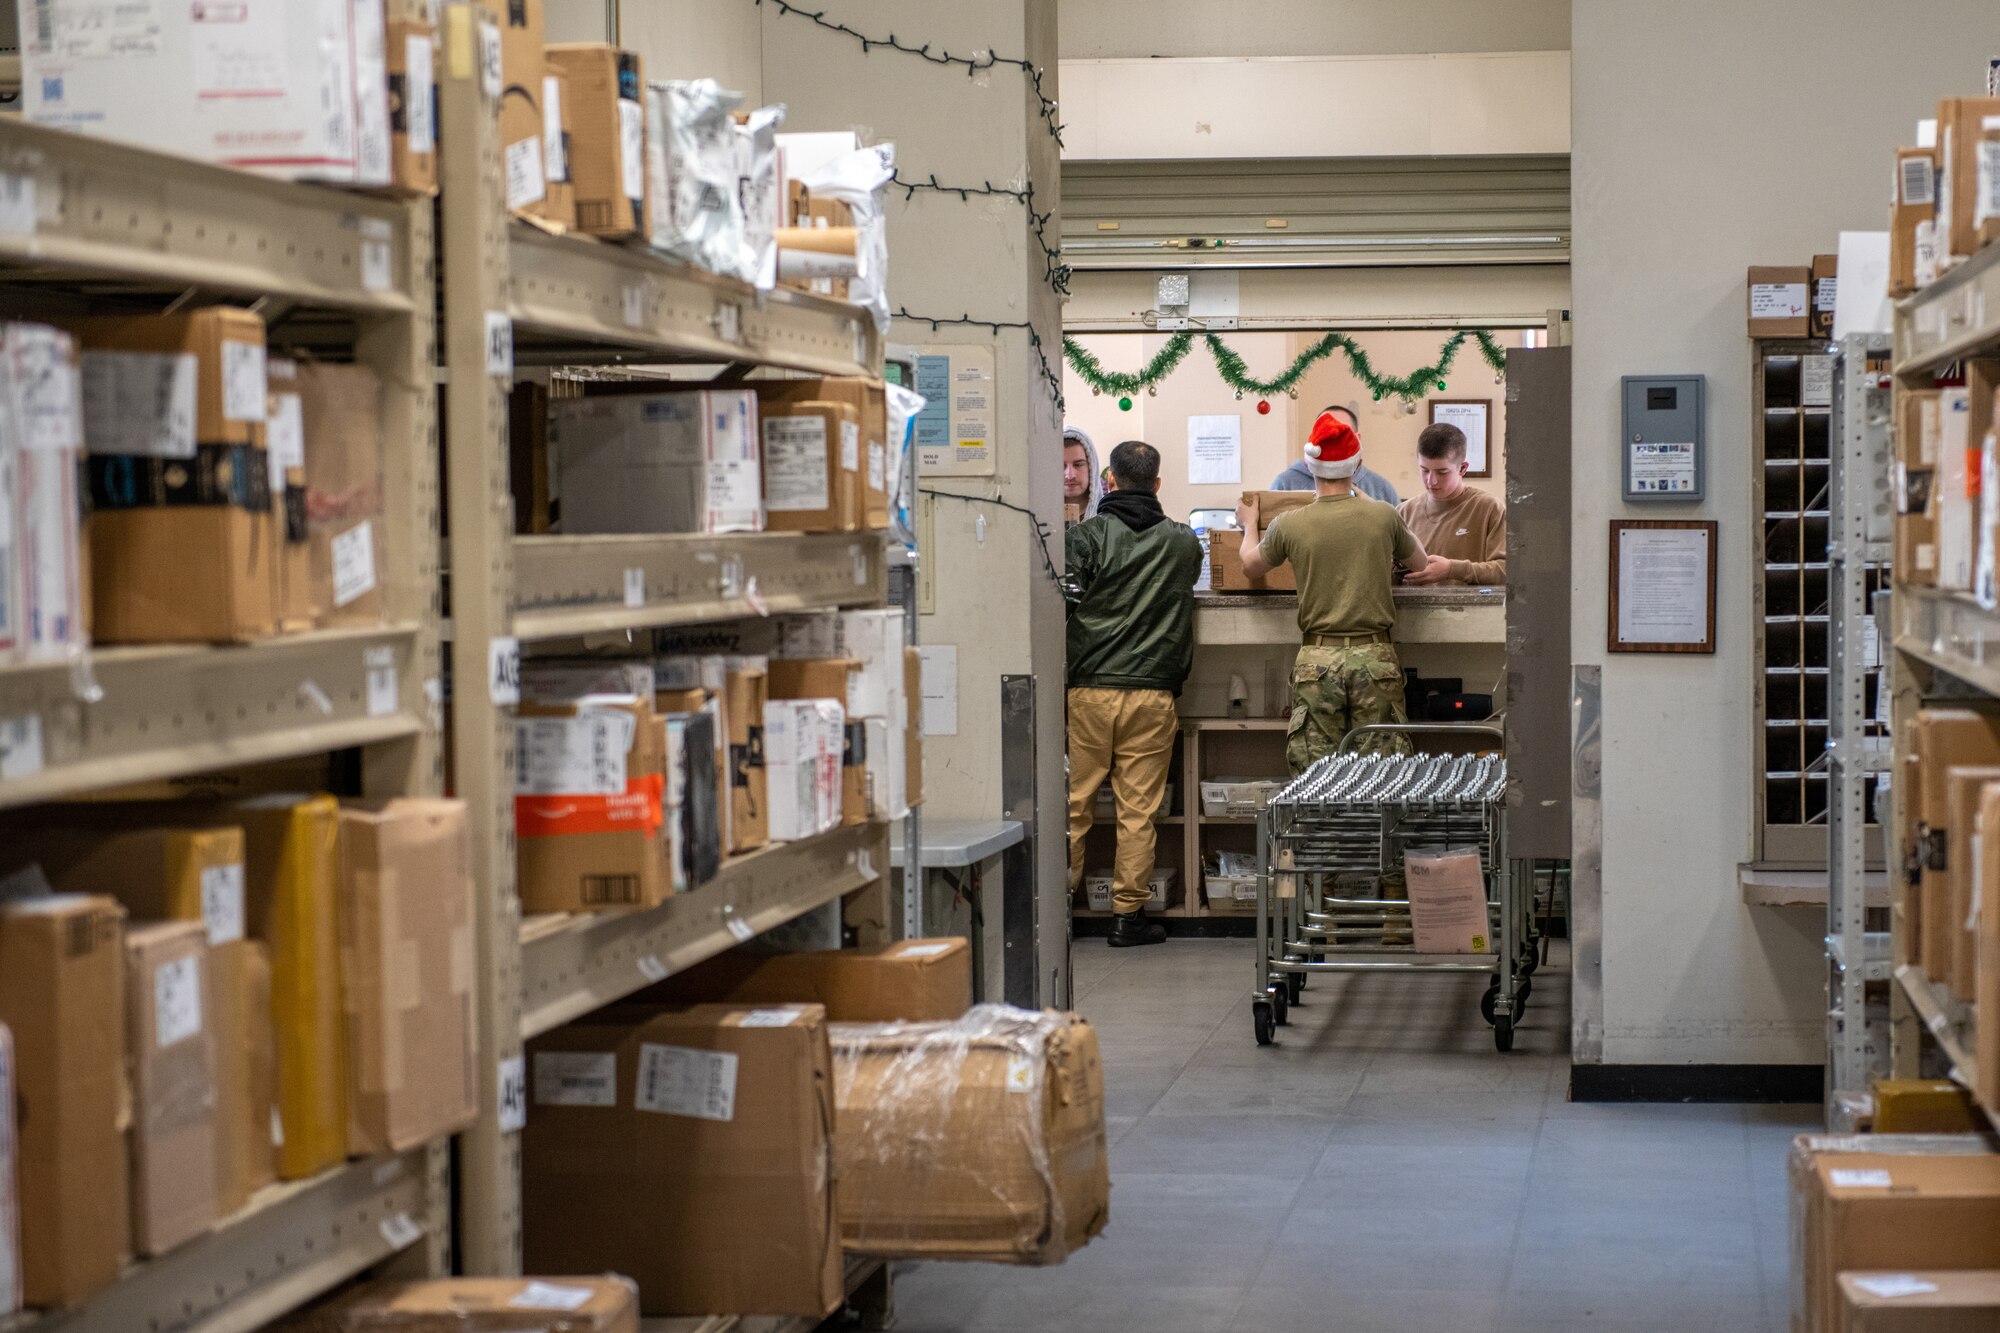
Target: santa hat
[(1334, 451)]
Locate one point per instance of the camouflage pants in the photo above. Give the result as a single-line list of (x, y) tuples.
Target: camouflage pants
[(1335, 690)]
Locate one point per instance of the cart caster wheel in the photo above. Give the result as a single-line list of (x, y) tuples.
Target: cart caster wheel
[(1521, 995), (1261, 1022), (1503, 1033), (1530, 962), (1280, 1005), (1487, 1001), (1294, 984)]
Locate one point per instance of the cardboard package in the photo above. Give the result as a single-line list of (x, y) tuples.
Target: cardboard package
[(803, 749), (1779, 307), (62, 995), (10, 1213), (868, 398), (1917, 430), (1447, 902), (183, 541), (1915, 201), (812, 466), (170, 1046), (557, 144), (1825, 273), (1951, 952), (916, 981), (1968, 188), (746, 690), (1946, 738), (872, 640), (589, 821), (1225, 567), (694, 685), (695, 774), (285, 447), (345, 507), (690, 1150), (913, 731), (291, 899), (44, 576), (981, 1139), (1957, 490), (1925, 1301), (834, 678), (523, 128), (1885, 1210), (658, 462), (290, 88), (606, 92), (405, 885), (1924, 1105), (1986, 959), (604, 1304), (412, 53), (182, 874)]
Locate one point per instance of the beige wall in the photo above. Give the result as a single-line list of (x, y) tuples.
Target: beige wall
[(1100, 29), (1711, 135), (1270, 443)]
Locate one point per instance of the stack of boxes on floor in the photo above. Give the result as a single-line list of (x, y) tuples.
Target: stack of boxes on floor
[(783, 1110), (206, 996), (1900, 1229)]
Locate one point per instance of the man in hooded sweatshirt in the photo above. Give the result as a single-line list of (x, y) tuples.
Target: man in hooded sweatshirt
[(1080, 483), (1130, 589)]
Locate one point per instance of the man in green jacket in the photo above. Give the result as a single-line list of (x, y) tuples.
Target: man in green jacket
[(1130, 588)]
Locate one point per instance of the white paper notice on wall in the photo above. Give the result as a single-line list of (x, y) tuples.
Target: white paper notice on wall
[(954, 435), (940, 682), (680, 1080), (1215, 451), (1862, 305)]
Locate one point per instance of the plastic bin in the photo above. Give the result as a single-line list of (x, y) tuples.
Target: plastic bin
[(1237, 798)]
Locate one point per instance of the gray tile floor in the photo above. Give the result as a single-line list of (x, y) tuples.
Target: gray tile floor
[(1382, 1167)]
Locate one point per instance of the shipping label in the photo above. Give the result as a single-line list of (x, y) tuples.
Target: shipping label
[(46, 392), (177, 1001), (581, 756), (795, 459), (679, 1080), (222, 903), (353, 563), (525, 183), (576, 1078), (140, 403)]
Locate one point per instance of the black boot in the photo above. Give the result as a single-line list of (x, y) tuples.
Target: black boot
[(1129, 930)]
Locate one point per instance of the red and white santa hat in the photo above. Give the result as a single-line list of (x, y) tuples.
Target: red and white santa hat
[(1334, 451)]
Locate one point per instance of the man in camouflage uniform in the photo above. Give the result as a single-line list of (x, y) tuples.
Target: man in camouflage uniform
[(1343, 549)]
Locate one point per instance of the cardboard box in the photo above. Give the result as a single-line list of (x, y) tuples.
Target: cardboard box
[(10, 1213), (589, 821), (1825, 286), (685, 461), (694, 785), (1779, 304), (701, 694), (1914, 202), (1968, 214), (1225, 567), (406, 949), (872, 639), (523, 127), (605, 1304), (812, 466), (285, 448), (43, 573), (558, 141), (913, 730), (688, 1149), (1955, 945), (170, 1046), (345, 508), (1947, 738), (1917, 431), (412, 53), (1924, 1105), (1888, 1211), (183, 539), (1925, 1301), (291, 897), (181, 874), (803, 747), (917, 981), (978, 1140), (1986, 968), (1957, 490), (746, 690), (291, 88), (62, 994), (834, 678), (606, 92), (868, 398)]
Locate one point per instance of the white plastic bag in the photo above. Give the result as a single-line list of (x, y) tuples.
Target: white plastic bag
[(903, 405), (692, 171), (858, 179), (760, 192)]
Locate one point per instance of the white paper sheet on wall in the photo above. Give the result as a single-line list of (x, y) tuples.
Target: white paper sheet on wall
[(940, 681), (1215, 451)]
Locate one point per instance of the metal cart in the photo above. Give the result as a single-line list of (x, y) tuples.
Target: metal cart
[(1334, 834)]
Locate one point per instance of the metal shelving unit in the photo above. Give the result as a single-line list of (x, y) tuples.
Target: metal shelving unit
[(349, 275), (515, 295), (1945, 644)]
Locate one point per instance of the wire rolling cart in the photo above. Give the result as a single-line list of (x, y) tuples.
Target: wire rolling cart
[(1329, 839)]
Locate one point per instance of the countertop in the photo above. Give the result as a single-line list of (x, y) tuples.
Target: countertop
[(1449, 615), (1444, 596)]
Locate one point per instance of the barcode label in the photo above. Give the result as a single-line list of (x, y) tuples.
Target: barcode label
[(576, 1078), (600, 890), (1919, 183)]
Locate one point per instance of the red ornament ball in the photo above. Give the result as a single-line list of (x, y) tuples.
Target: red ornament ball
[(1263, 407)]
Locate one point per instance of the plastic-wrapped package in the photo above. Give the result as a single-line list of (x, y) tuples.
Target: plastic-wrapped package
[(760, 193), (691, 169), (903, 407), (606, 1304), (979, 1139), (858, 179)]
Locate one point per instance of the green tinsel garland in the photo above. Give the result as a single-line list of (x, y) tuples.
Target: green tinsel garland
[(1237, 376)]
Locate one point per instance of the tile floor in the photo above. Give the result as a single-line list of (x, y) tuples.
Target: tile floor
[(1382, 1167)]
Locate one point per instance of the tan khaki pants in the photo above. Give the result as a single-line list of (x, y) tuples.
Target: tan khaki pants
[(1127, 735)]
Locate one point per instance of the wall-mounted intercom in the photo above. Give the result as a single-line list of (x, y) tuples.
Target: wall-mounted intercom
[(1662, 446)]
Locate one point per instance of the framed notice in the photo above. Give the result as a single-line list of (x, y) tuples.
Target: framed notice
[(954, 434), (1662, 586), (1474, 416)]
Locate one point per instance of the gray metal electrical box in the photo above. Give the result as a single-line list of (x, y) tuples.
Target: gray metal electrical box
[(1662, 446)]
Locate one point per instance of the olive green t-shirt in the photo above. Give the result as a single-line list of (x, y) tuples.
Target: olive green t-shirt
[(1343, 550)]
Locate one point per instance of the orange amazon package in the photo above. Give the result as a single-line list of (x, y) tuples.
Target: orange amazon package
[(589, 822)]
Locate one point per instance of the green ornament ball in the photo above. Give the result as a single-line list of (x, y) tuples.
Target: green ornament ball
[(1124, 404)]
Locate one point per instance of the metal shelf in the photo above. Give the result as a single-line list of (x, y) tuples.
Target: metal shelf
[(168, 711), (108, 216), (1948, 1019), (287, 1245), (1951, 632), (565, 586), (1954, 317), (576, 299), (572, 965)]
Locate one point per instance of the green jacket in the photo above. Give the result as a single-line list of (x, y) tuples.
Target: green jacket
[(1131, 598)]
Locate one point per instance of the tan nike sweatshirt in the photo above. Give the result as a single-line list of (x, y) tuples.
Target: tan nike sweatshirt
[(1470, 530)]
